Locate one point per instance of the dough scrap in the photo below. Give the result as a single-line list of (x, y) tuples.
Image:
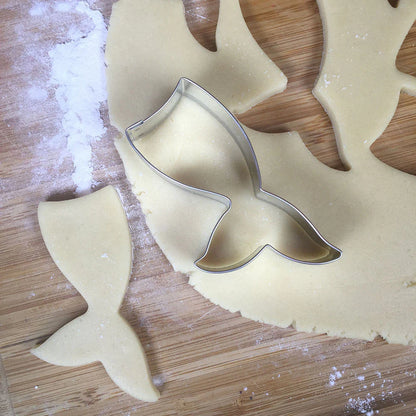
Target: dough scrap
[(89, 240), (359, 85), (149, 45), (368, 212)]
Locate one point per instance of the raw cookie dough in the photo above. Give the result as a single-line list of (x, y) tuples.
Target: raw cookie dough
[(369, 212), (359, 84), (149, 45), (89, 240)]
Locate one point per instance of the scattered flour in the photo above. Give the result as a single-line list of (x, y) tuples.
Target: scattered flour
[(38, 9), (77, 78), (336, 375), (78, 72), (158, 380), (37, 93), (62, 7), (362, 405)]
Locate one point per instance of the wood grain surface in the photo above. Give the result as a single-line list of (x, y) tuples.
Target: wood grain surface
[(205, 360)]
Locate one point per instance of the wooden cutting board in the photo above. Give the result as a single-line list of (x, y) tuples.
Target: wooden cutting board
[(206, 361)]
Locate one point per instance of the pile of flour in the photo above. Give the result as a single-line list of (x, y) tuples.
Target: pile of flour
[(75, 71)]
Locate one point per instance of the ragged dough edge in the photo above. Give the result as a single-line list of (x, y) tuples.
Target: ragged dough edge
[(297, 325), (266, 316)]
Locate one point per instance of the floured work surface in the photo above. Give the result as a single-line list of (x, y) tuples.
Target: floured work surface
[(206, 360)]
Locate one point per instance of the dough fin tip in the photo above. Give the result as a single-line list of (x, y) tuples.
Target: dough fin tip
[(109, 339), (125, 362)]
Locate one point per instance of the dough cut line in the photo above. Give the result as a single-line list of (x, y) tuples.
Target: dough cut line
[(191, 90)]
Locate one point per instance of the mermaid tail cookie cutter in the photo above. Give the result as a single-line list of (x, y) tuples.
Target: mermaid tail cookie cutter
[(191, 90)]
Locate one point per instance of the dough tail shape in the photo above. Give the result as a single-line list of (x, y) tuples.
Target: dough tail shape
[(109, 339), (89, 240)]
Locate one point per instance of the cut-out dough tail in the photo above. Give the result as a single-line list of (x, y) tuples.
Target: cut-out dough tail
[(89, 239), (109, 339)]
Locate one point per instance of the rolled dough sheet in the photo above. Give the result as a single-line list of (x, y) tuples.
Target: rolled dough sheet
[(149, 47), (88, 238), (368, 212), (359, 85)]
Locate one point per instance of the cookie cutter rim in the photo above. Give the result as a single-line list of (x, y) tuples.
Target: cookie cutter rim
[(188, 88)]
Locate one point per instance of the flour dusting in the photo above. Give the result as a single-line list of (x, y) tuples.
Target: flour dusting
[(37, 93), (38, 9), (79, 75), (77, 78), (362, 405), (336, 375)]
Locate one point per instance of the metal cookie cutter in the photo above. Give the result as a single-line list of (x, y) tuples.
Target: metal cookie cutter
[(191, 90)]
